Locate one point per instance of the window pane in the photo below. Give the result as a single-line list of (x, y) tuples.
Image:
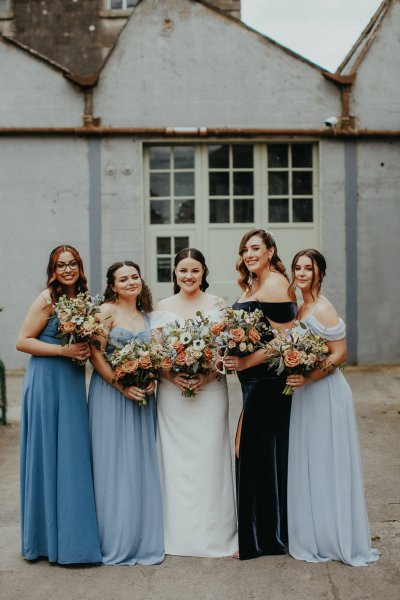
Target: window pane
[(243, 183), (184, 157), (181, 243), (219, 184), (302, 183), (243, 211), (184, 184), (159, 184), (302, 210), (242, 155), (164, 270), (279, 210), (163, 245), (218, 157), (160, 211), (219, 211), (302, 155), (184, 211), (159, 157), (115, 4), (278, 183), (278, 155)]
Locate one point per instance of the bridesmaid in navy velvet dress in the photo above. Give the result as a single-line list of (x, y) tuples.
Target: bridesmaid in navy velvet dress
[(263, 430), (58, 517), (123, 434)]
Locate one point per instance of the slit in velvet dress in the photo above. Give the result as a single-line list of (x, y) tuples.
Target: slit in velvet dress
[(261, 469), (58, 516)]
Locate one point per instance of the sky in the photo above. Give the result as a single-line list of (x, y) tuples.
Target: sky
[(321, 30)]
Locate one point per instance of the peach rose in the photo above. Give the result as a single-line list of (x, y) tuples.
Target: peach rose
[(254, 336), (145, 362), (68, 327), (178, 346), (180, 359), (292, 358), (207, 353), (166, 364), (130, 366), (231, 344), (237, 335)]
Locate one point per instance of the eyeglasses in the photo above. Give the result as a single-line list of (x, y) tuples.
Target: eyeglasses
[(61, 266)]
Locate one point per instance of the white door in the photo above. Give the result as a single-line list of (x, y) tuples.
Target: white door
[(208, 195)]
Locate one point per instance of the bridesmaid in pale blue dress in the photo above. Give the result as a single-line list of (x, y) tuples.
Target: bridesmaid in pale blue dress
[(327, 516), (123, 433), (58, 518)]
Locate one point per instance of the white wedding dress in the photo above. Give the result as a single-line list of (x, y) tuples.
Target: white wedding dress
[(195, 465)]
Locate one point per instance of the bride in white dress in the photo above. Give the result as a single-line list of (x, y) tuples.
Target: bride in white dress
[(193, 437)]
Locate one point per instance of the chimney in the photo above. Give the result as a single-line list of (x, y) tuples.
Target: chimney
[(232, 7)]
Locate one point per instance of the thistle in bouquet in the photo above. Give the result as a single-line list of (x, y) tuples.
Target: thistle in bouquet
[(77, 321), (239, 333), (296, 351), (188, 348), (135, 364)]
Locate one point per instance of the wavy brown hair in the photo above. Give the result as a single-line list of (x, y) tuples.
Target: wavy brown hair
[(316, 259), (55, 288), (144, 301), (196, 255), (245, 279)]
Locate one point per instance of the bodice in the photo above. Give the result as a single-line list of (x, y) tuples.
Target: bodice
[(122, 336), (160, 318), (331, 334), (50, 330), (278, 312)]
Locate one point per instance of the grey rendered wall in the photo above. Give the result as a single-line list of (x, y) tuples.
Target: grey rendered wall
[(376, 92), (379, 252), (44, 202), (178, 63)]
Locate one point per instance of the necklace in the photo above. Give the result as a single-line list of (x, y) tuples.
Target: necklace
[(131, 315)]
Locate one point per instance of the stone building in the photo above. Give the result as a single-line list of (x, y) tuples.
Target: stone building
[(132, 129)]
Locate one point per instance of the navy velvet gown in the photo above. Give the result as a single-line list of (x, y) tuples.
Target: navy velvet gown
[(261, 469)]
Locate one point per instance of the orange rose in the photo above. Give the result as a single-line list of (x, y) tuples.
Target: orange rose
[(178, 346), (130, 366), (145, 362), (207, 353), (292, 358), (217, 328), (68, 327), (166, 364), (237, 335), (254, 336), (180, 359), (118, 373)]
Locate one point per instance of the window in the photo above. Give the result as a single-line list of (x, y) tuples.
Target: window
[(121, 4), (171, 185), (167, 247), (5, 7), (231, 183), (290, 183)]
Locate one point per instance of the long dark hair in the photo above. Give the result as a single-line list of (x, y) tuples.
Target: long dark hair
[(316, 259), (196, 255), (245, 277), (144, 300), (55, 288)]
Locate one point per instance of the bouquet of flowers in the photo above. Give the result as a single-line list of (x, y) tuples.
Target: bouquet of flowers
[(77, 321), (239, 333), (187, 347), (296, 350), (135, 363)]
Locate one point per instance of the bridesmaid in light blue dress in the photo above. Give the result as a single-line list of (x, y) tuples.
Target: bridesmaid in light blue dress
[(123, 433), (58, 518), (327, 517)]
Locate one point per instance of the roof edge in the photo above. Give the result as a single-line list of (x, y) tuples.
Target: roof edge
[(35, 54), (378, 16)]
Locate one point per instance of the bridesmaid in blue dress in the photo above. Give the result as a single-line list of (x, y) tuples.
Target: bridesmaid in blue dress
[(263, 430), (58, 518), (123, 433), (326, 505)]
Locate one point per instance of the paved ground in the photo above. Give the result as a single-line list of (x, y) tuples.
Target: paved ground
[(271, 578)]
